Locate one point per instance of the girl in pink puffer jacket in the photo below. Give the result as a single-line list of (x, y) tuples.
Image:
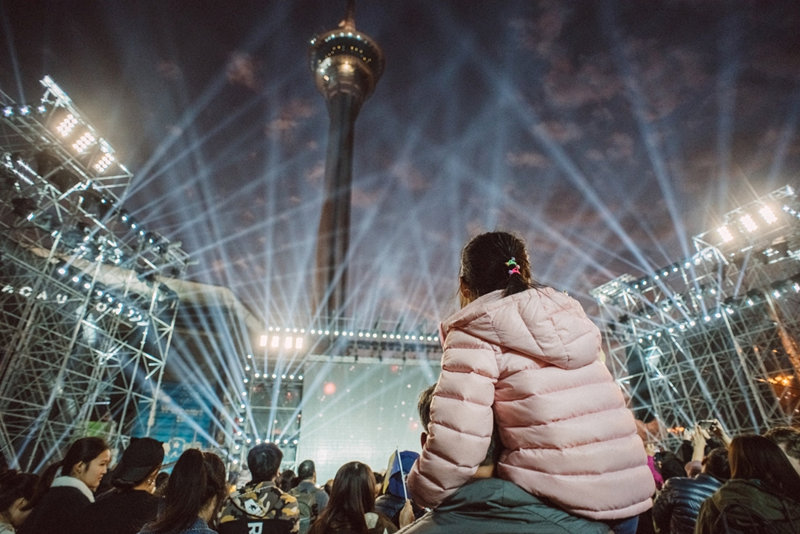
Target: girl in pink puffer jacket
[(526, 357)]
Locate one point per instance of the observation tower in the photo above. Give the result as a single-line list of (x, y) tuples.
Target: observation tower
[(347, 65)]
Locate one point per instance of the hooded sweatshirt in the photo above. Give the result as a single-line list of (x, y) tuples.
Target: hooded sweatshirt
[(531, 363)]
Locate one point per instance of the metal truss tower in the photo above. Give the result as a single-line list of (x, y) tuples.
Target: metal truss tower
[(715, 335), (85, 323)]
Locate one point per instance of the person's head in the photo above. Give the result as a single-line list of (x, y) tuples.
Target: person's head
[(492, 261), (307, 471), (757, 457), (788, 439), (669, 465), (140, 464), (264, 460), (16, 492), (287, 480), (352, 496), (87, 460), (196, 488), (715, 463)]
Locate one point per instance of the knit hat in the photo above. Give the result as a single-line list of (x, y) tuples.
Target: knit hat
[(141, 457)]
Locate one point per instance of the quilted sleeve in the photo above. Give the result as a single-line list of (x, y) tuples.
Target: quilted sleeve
[(461, 420)]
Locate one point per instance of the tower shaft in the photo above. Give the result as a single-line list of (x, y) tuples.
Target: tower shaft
[(347, 65)]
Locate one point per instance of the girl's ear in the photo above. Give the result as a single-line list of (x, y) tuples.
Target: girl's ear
[(79, 468), (464, 293)]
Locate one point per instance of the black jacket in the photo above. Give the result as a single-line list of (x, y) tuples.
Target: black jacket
[(60, 510), (120, 512), (676, 506), (747, 507)]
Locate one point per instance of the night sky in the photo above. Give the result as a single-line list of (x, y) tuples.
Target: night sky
[(607, 134)]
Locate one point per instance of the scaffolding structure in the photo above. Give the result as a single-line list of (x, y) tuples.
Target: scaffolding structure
[(85, 323), (714, 336)]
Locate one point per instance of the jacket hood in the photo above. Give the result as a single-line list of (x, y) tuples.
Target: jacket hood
[(751, 494), (253, 500), (540, 323)]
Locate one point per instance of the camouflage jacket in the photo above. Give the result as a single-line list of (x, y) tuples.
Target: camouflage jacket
[(261, 501)]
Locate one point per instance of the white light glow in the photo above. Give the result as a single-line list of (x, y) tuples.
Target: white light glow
[(276, 342), (66, 126), (748, 223), (84, 141), (767, 214), (725, 234)]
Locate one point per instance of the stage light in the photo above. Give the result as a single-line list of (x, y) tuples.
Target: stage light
[(84, 141), (104, 162), (8, 111), (767, 214), (25, 110), (276, 342), (725, 234), (298, 343), (65, 127), (748, 223)]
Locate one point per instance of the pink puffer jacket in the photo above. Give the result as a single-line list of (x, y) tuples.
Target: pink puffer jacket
[(531, 361)]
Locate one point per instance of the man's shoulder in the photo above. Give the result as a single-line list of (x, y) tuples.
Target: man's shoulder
[(261, 500)]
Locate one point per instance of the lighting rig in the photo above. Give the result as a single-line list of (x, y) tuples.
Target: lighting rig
[(86, 319), (716, 334)]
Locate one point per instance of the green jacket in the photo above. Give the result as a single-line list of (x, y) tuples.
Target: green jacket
[(746, 506), (495, 506)]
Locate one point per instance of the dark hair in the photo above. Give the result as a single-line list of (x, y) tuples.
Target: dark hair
[(15, 485), (486, 265), (306, 470), (82, 450), (424, 406), (352, 496), (786, 436), (757, 457), (264, 460), (287, 480), (669, 465), (715, 463), (196, 478)]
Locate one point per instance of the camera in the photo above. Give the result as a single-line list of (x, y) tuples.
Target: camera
[(708, 424)]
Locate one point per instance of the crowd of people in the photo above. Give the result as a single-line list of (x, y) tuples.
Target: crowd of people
[(525, 431)]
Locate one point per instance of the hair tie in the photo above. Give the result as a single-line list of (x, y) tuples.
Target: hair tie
[(515, 268)]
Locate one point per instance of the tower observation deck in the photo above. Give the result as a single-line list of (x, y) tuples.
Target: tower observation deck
[(347, 65)]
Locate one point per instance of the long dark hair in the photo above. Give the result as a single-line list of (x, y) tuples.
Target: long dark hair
[(496, 260), (82, 450), (196, 478), (15, 485), (352, 496), (757, 457)]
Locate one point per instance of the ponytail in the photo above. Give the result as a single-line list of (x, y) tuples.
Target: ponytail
[(45, 480), (496, 261), (196, 478)]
